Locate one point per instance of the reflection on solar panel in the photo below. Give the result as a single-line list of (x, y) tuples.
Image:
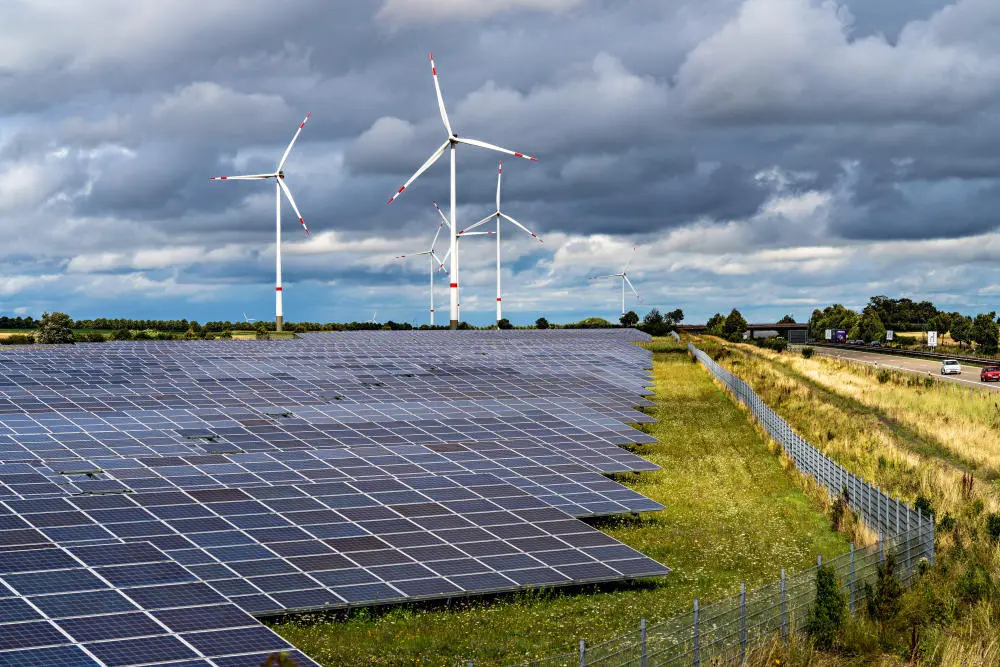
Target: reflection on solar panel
[(332, 471)]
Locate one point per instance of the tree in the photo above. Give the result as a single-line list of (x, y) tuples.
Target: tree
[(787, 319), (714, 324), (940, 323), (828, 612), (961, 329), (832, 317), (984, 333), (504, 323), (55, 328), (734, 326), (676, 316), (870, 328), (629, 319), (657, 324), (541, 323)]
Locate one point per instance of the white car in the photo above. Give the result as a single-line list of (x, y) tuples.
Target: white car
[(950, 367)]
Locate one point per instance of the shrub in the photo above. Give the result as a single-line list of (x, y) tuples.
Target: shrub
[(121, 334), (807, 352), (504, 323), (827, 614), (883, 375), (777, 344), (974, 584), (884, 600), (17, 339), (923, 504), (841, 510), (54, 329), (541, 323), (993, 526), (94, 337)]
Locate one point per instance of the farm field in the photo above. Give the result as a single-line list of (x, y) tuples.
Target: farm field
[(733, 514), (926, 441)]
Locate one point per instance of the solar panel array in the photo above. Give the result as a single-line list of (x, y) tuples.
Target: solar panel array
[(332, 471)]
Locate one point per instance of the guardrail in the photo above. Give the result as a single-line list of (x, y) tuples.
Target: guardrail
[(724, 631), (919, 354)]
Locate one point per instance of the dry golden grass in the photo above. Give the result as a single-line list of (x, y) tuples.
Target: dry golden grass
[(964, 420)]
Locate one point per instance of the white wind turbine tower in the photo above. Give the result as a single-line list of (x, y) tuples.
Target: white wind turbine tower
[(437, 264), (279, 187), (498, 214), (624, 276), (451, 143)]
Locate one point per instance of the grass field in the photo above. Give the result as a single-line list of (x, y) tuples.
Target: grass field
[(733, 514), (918, 440)]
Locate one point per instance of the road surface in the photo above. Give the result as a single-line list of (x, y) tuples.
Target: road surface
[(969, 376)]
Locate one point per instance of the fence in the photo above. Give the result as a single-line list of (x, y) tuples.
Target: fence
[(724, 631)]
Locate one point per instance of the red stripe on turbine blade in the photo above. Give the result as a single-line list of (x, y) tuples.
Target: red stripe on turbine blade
[(533, 159), (518, 155), (434, 71)]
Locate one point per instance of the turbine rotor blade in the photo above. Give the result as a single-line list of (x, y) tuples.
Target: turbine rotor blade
[(437, 89), (431, 160), (634, 290), (436, 235), (441, 213), (629, 262), (292, 142), (483, 144), (288, 195), (440, 261), (247, 177), (481, 222), (512, 220)]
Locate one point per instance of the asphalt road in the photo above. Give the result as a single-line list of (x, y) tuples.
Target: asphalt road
[(969, 376)]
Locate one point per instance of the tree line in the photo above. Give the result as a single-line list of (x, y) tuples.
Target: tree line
[(904, 315)]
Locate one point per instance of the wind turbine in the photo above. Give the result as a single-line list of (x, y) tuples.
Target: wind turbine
[(248, 320), (451, 144), (279, 187), (498, 214), (374, 313), (437, 264), (624, 276)]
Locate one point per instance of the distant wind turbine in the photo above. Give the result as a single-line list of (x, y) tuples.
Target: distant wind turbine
[(279, 187), (624, 276), (437, 264), (498, 214)]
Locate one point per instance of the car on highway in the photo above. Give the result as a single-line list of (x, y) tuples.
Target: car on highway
[(875, 343), (990, 374), (950, 367)]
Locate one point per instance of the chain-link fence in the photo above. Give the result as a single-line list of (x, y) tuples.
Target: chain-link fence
[(723, 631)]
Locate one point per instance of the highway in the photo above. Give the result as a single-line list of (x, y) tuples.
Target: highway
[(969, 376)]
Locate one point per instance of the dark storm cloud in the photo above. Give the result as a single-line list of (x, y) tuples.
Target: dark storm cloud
[(731, 126)]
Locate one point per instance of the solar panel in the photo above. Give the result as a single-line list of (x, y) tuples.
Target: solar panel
[(183, 486)]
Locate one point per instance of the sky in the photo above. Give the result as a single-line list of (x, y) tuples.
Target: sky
[(769, 155)]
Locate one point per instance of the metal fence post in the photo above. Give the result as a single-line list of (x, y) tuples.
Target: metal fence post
[(642, 637), (819, 560), (784, 609), (852, 577), (881, 548), (583, 654), (909, 542), (743, 623), (697, 639)]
